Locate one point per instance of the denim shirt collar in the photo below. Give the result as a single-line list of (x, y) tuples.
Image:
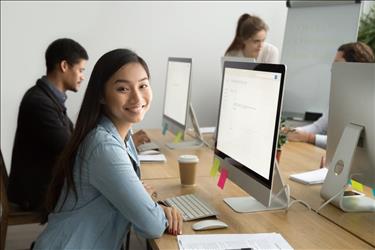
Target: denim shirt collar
[(128, 144)]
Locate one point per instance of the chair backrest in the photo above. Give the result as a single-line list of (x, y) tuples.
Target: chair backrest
[(4, 185)]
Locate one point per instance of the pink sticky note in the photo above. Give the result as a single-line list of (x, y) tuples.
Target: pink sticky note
[(222, 178)]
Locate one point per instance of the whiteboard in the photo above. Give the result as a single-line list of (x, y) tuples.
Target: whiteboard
[(312, 36)]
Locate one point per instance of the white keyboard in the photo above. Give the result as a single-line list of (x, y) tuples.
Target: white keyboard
[(191, 207), (148, 146)]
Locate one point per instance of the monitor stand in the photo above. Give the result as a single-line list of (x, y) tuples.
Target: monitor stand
[(338, 174), (194, 143), (249, 204)]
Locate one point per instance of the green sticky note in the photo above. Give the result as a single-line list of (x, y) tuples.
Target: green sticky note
[(357, 186), (215, 167), (178, 137)]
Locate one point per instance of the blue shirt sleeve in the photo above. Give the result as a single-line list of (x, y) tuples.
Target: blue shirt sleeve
[(112, 173)]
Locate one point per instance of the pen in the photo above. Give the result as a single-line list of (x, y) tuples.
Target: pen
[(246, 248)]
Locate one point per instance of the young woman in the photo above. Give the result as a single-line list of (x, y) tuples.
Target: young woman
[(96, 194), (249, 41)]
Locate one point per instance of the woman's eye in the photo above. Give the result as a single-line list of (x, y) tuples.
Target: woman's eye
[(144, 86), (122, 89)]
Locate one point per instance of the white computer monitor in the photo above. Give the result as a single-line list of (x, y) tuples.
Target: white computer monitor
[(177, 99), (247, 132), (351, 134)]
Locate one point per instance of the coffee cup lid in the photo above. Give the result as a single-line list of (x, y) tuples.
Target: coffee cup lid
[(188, 159)]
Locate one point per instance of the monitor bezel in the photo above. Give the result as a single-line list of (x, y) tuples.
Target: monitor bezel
[(265, 67), (165, 116)]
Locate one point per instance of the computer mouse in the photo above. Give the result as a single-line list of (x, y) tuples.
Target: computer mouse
[(209, 224)]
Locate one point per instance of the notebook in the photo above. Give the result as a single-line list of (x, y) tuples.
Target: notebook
[(311, 177)]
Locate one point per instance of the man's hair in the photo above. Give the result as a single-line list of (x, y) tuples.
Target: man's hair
[(64, 49), (357, 52)]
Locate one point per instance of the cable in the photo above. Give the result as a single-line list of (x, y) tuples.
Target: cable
[(338, 193), (289, 202)]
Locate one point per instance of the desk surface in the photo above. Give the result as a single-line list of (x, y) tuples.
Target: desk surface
[(296, 157), (300, 157), (300, 227), (170, 169)]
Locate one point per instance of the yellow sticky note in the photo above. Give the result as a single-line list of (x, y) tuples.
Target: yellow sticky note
[(357, 186), (178, 137), (215, 167)]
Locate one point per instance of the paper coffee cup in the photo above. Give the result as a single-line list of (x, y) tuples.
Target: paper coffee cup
[(188, 168)]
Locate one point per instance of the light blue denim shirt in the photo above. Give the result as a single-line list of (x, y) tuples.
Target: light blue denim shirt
[(111, 197)]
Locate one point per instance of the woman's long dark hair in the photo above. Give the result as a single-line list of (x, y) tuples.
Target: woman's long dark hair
[(247, 26), (88, 118)]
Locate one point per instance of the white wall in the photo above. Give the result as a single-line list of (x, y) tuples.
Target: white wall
[(155, 30)]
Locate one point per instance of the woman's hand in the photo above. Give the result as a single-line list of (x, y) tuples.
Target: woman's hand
[(174, 218)]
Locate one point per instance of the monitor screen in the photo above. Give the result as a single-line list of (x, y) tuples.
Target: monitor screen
[(177, 89), (249, 117)]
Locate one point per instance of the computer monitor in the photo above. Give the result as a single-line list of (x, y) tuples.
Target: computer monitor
[(177, 100), (247, 132), (351, 134)]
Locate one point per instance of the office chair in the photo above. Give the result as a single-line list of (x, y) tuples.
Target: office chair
[(10, 214)]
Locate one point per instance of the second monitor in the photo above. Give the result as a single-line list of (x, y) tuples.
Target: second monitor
[(177, 108)]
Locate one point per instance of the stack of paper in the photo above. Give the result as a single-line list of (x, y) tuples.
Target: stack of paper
[(311, 177), (233, 241), (152, 158)]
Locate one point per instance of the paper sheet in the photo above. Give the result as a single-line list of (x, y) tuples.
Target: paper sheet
[(152, 158), (232, 241), (205, 130), (311, 177)]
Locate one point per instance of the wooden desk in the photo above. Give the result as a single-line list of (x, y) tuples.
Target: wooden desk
[(296, 157), (299, 157), (170, 169), (300, 227)]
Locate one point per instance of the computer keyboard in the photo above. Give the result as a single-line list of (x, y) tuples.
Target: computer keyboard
[(191, 207)]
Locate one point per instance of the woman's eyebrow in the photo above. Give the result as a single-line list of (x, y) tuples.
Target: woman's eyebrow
[(127, 81)]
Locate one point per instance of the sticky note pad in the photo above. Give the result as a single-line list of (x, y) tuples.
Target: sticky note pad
[(349, 182), (373, 192), (215, 167), (357, 186), (223, 178), (165, 128), (178, 137)]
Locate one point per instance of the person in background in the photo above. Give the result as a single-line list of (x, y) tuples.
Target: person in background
[(96, 194), (43, 126), (249, 41), (315, 133)]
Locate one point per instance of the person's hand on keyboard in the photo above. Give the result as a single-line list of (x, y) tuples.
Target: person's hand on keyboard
[(174, 218), (140, 137)]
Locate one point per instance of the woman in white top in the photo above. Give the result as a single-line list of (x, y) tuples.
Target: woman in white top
[(316, 133), (249, 41)]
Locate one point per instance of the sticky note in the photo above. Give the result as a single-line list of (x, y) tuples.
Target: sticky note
[(357, 186), (215, 167), (349, 182), (373, 192), (165, 128), (178, 137), (223, 178)]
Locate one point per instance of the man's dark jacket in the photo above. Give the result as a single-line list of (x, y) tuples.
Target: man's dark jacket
[(43, 129)]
